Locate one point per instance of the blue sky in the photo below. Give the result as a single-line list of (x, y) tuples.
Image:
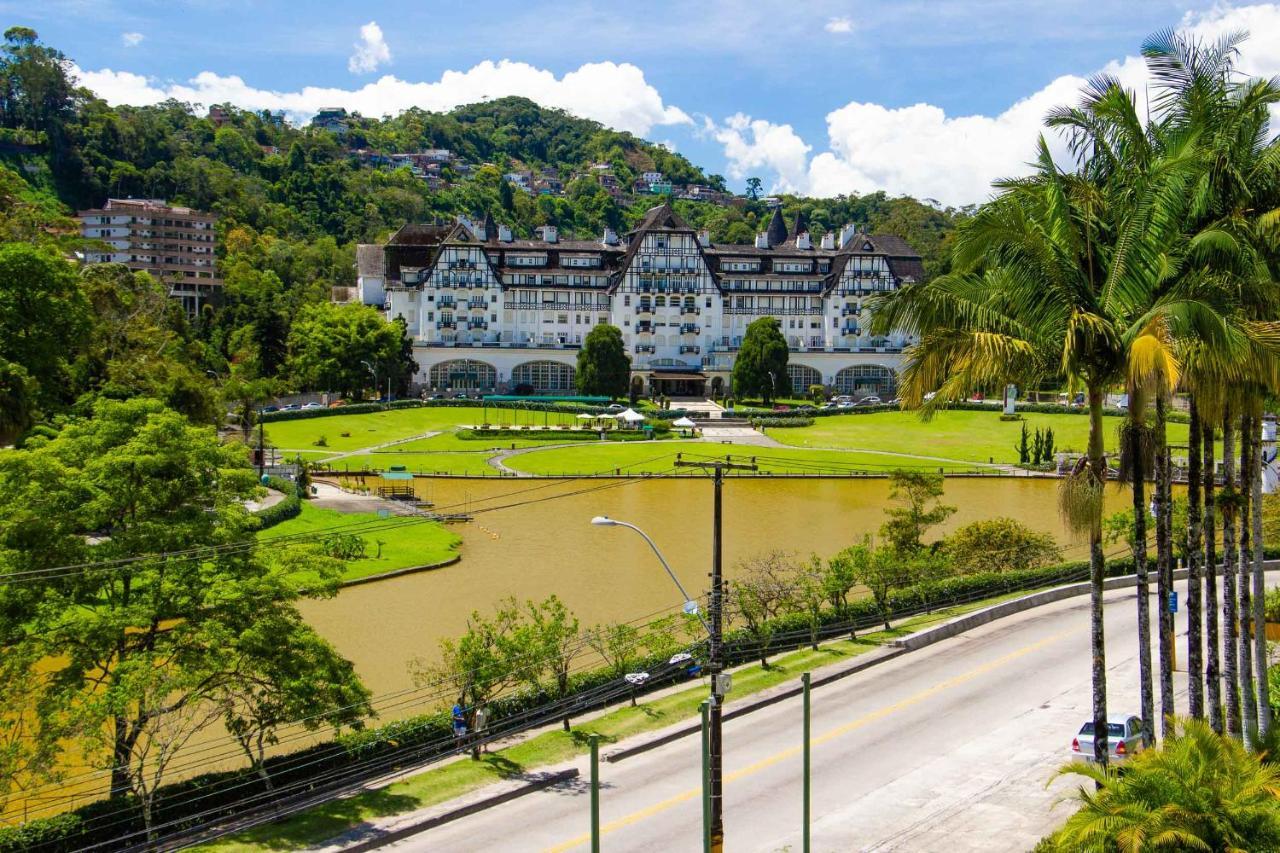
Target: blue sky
[(822, 97)]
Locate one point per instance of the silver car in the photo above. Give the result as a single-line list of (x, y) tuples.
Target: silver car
[(1124, 739)]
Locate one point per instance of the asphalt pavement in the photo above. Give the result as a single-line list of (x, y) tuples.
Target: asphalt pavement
[(951, 748)]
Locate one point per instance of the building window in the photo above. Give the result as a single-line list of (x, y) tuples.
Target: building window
[(543, 376)]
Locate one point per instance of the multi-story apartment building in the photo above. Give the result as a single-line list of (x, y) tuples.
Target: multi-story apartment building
[(174, 244), (488, 312)]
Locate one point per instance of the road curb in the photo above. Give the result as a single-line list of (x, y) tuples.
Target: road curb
[(864, 662), (961, 624), (382, 839)]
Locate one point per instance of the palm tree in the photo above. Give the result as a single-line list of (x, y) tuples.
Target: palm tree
[(1057, 273), (1199, 791)]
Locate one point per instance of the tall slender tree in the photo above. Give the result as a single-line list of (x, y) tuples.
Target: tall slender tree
[(1212, 667), (1227, 502), (1164, 565), (1195, 566), (1248, 693)]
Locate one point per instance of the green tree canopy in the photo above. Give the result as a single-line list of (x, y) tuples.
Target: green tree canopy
[(761, 367), (329, 346), (604, 368), (132, 646)]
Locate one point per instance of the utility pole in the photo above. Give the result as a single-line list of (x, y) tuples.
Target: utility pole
[(262, 459), (715, 652)]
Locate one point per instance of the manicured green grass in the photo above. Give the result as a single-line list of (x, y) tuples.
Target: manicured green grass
[(367, 429), (406, 541), (471, 463), (317, 825), (651, 457), (964, 435)]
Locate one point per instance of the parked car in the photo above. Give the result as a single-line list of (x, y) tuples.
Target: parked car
[(292, 407), (869, 400), (1124, 738), (269, 409), (614, 407), (309, 406)]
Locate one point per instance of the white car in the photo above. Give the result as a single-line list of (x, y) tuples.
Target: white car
[(1124, 739)]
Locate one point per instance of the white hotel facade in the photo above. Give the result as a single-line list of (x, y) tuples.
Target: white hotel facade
[(491, 313)]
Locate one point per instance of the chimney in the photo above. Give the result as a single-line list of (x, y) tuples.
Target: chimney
[(610, 237), (829, 240), (762, 240), (549, 233), (504, 233), (803, 241), (704, 238), (846, 234)]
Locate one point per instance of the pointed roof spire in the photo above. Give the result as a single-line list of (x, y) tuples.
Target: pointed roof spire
[(801, 226), (777, 230), (490, 227)]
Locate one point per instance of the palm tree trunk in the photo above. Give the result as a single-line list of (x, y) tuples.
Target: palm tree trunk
[(1248, 698), (1260, 590), (1212, 672), (1231, 626), (1097, 572), (1138, 478), (1195, 562), (1164, 567)]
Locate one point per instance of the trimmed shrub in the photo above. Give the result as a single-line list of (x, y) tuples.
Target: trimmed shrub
[(286, 509), (760, 423)]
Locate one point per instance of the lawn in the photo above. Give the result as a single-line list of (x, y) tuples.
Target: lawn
[(964, 435), (313, 827), (406, 541), (653, 457), (366, 430), (473, 463)]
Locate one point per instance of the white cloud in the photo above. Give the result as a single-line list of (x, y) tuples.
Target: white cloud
[(922, 151), (615, 94), (131, 39), (371, 50), (839, 25), (755, 146)]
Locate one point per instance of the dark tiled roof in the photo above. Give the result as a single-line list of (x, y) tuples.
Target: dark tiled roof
[(777, 232), (419, 235), (801, 226)]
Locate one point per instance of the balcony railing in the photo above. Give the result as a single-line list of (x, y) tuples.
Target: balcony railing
[(851, 311), (690, 309), (850, 330), (644, 328), (644, 309), (447, 324), (477, 303), (690, 329), (477, 324), (642, 348), (689, 348)]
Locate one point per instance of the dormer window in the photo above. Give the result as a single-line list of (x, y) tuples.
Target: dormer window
[(866, 247)]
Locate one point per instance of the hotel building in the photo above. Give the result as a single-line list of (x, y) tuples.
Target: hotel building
[(174, 244), (488, 312)]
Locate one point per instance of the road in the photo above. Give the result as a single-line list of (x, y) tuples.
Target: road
[(949, 748)]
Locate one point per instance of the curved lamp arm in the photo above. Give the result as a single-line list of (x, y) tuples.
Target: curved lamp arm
[(605, 521)]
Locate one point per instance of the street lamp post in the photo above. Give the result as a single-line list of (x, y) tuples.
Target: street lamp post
[(690, 606), (373, 372)]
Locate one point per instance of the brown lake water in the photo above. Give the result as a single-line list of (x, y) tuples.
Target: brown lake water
[(606, 574)]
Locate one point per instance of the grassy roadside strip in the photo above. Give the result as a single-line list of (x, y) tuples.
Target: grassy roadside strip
[(459, 777)]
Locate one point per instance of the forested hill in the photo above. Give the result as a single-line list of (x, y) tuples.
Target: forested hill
[(264, 176)]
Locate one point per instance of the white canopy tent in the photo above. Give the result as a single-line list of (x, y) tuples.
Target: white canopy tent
[(631, 416), (684, 423)]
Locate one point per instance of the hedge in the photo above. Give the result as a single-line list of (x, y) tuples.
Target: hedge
[(286, 509), (760, 423), (416, 739)]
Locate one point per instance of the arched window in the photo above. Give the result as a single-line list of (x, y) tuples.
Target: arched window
[(463, 375), (802, 376), (543, 376), (862, 380)]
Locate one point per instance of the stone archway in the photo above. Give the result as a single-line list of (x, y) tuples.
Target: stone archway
[(717, 386), (862, 380), (463, 374)]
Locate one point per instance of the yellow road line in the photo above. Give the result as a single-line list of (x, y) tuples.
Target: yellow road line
[(839, 731)]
